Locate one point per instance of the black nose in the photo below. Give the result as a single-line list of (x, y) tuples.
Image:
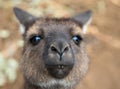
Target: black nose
[(59, 58), (60, 47)]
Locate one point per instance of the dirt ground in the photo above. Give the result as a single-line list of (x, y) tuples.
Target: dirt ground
[(103, 37)]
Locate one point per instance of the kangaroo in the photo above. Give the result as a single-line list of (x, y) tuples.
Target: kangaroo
[(54, 54)]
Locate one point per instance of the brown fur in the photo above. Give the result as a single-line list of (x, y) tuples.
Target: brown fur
[(38, 59), (33, 66)]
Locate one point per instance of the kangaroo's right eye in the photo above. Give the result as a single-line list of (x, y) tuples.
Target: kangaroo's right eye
[(35, 40)]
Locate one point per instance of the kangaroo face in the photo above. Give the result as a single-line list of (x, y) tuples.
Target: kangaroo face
[(58, 54), (54, 51)]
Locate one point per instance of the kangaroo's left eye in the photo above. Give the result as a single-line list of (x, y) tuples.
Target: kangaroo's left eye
[(35, 40), (77, 39)]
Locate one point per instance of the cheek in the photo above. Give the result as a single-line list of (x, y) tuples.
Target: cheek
[(75, 48), (34, 69), (34, 56), (32, 63), (81, 61)]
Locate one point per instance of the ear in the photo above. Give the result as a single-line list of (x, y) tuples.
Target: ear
[(84, 19), (23, 17)]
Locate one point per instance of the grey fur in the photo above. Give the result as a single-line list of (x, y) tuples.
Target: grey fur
[(51, 30)]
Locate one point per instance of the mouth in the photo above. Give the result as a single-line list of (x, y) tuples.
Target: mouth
[(59, 71)]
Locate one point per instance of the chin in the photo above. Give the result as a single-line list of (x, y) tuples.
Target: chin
[(59, 82)]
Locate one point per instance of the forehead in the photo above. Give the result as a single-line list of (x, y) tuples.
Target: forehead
[(55, 26)]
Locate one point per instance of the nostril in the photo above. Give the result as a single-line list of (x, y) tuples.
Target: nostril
[(66, 49), (54, 49)]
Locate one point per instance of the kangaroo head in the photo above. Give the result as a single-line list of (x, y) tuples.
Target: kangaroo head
[(54, 52)]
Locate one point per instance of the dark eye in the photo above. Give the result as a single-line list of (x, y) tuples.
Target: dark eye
[(35, 40), (76, 39)]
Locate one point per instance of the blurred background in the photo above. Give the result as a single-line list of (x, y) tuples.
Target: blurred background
[(102, 38)]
